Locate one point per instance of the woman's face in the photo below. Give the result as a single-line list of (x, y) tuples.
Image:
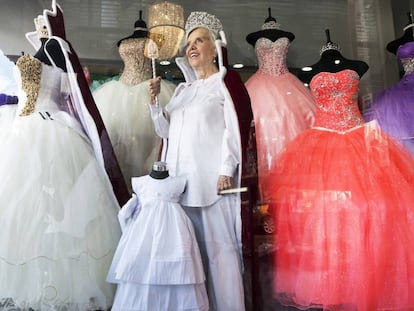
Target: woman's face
[(200, 49)]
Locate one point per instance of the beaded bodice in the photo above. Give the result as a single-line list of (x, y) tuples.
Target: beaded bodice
[(271, 56), (137, 67), (405, 54), (408, 65), (336, 98), (41, 83)]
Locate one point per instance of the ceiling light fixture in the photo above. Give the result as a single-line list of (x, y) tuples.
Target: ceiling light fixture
[(166, 27)]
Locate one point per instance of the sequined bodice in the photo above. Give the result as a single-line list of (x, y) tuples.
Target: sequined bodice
[(405, 54), (408, 65), (41, 83), (137, 67), (336, 97), (271, 56)]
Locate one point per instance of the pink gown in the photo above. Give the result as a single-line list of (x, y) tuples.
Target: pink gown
[(344, 217), (282, 106)]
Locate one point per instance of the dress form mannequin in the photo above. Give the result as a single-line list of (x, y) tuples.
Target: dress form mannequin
[(271, 31), (137, 67), (53, 48), (408, 36), (62, 157), (157, 258), (282, 106), (123, 107), (331, 61)]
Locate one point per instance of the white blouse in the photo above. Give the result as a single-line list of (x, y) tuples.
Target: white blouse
[(200, 146)]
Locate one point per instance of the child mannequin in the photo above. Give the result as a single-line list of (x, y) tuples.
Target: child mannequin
[(157, 265)]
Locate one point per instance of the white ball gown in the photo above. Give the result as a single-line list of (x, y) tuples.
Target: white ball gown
[(123, 106), (58, 213), (157, 264)]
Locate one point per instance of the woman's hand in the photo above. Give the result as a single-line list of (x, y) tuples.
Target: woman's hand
[(224, 182), (154, 89)]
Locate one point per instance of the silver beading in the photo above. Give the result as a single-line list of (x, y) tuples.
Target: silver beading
[(330, 46), (203, 19), (270, 25)]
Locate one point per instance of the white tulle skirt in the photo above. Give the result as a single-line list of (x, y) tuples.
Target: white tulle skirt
[(125, 112), (58, 219)]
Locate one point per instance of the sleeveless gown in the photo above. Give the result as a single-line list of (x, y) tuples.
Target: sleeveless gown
[(344, 216), (58, 213), (157, 264), (282, 106), (126, 115), (394, 108)]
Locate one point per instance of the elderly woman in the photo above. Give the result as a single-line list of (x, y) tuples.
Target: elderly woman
[(201, 126)]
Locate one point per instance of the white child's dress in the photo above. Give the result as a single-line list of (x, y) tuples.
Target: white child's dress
[(157, 264)]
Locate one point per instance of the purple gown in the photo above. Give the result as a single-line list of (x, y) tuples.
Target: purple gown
[(394, 108)]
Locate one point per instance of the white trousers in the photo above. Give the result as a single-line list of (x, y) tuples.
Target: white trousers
[(217, 229)]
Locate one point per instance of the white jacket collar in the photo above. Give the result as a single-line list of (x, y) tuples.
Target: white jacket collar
[(190, 74)]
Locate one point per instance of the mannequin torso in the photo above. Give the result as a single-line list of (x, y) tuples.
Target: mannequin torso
[(137, 67), (55, 52)]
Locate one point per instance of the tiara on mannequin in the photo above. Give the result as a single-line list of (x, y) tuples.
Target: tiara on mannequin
[(203, 19), (41, 28), (271, 25), (330, 46)]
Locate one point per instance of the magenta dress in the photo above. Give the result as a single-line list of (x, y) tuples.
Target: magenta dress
[(282, 106), (394, 108)]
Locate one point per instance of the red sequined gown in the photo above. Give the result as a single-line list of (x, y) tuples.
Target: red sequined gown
[(282, 106), (344, 210)]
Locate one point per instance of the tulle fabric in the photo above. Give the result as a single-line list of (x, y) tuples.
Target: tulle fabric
[(142, 297), (125, 112), (157, 264), (7, 115), (282, 108), (344, 222), (58, 219), (394, 111)]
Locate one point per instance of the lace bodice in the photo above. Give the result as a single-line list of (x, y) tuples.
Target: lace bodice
[(42, 85), (150, 190), (336, 98), (271, 56), (137, 67)]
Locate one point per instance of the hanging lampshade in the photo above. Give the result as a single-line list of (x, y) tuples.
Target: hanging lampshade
[(166, 26)]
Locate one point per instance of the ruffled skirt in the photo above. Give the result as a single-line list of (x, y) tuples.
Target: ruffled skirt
[(58, 219), (344, 222)]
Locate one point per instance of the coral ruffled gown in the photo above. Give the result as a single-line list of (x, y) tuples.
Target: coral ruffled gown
[(282, 106), (394, 108), (344, 216)]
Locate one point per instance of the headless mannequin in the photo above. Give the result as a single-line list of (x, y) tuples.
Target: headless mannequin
[(332, 61), (408, 36), (137, 67), (271, 32), (159, 170)]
